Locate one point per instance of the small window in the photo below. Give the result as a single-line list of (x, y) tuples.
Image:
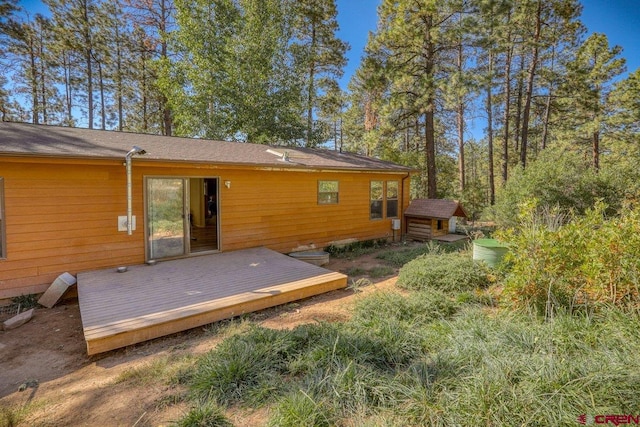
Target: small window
[(2, 227), (392, 199), (327, 192), (376, 199), (440, 225)]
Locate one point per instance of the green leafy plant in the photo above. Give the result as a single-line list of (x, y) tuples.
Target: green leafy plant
[(592, 260), (204, 415), (451, 272), (298, 409)]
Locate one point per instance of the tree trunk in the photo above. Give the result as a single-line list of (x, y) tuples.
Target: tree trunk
[(460, 126), (103, 113), (507, 105), (33, 71), (547, 108), (310, 89), (596, 151), (43, 70), (66, 63), (429, 128), (518, 118), (430, 148), (492, 187), (529, 94), (119, 80), (166, 110), (87, 57)]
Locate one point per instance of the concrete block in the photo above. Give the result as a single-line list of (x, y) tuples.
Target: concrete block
[(18, 320), (56, 290)]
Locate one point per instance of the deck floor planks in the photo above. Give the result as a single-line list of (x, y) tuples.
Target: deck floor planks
[(145, 302)]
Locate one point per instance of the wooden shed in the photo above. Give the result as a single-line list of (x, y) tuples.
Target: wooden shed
[(66, 197), (429, 218)]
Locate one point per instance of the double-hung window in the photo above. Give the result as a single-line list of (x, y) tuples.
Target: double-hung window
[(383, 199)]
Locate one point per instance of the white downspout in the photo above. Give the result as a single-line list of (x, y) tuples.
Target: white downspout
[(127, 159)]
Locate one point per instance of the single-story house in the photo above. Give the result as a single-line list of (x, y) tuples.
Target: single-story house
[(429, 218), (74, 200)]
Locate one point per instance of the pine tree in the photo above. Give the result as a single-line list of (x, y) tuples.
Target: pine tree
[(34, 66), (156, 20), (76, 21), (590, 81), (411, 38), (318, 52)]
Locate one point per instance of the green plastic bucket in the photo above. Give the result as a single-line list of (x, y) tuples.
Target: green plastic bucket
[(489, 250)]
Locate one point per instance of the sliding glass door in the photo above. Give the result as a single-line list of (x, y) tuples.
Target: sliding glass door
[(182, 216), (165, 217)]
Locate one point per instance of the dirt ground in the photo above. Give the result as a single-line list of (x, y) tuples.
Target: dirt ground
[(47, 379)]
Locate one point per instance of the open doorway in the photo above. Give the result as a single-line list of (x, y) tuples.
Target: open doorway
[(204, 214), (182, 216)]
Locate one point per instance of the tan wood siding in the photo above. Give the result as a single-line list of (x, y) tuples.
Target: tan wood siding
[(281, 210), (61, 215)]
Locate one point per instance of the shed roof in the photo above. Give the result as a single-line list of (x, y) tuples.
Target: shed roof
[(435, 208), (22, 139)]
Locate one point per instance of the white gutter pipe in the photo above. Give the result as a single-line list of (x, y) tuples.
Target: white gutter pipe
[(135, 150)]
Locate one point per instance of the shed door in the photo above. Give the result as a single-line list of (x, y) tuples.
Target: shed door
[(166, 219)]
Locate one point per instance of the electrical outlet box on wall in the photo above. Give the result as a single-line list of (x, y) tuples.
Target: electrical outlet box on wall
[(122, 222)]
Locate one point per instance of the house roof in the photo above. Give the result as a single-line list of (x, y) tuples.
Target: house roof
[(22, 139), (435, 208)]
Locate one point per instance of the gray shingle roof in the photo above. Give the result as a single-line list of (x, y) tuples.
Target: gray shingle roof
[(435, 208), (21, 139)]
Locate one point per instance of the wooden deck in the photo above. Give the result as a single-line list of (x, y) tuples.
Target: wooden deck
[(146, 302)]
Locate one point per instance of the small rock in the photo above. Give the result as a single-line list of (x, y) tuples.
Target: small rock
[(18, 320)]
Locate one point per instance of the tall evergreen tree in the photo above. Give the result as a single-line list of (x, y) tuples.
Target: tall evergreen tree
[(34, 67), (411, 38), (76, 22), (319, 54), (7, 10), (591, 76), (156, 18)]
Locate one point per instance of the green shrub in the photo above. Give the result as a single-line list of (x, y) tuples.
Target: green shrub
[(207, 415), (417, 308), (298, 409), (559, 177), (447, 272), (244, 366), (589, 262), (324, 346)]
